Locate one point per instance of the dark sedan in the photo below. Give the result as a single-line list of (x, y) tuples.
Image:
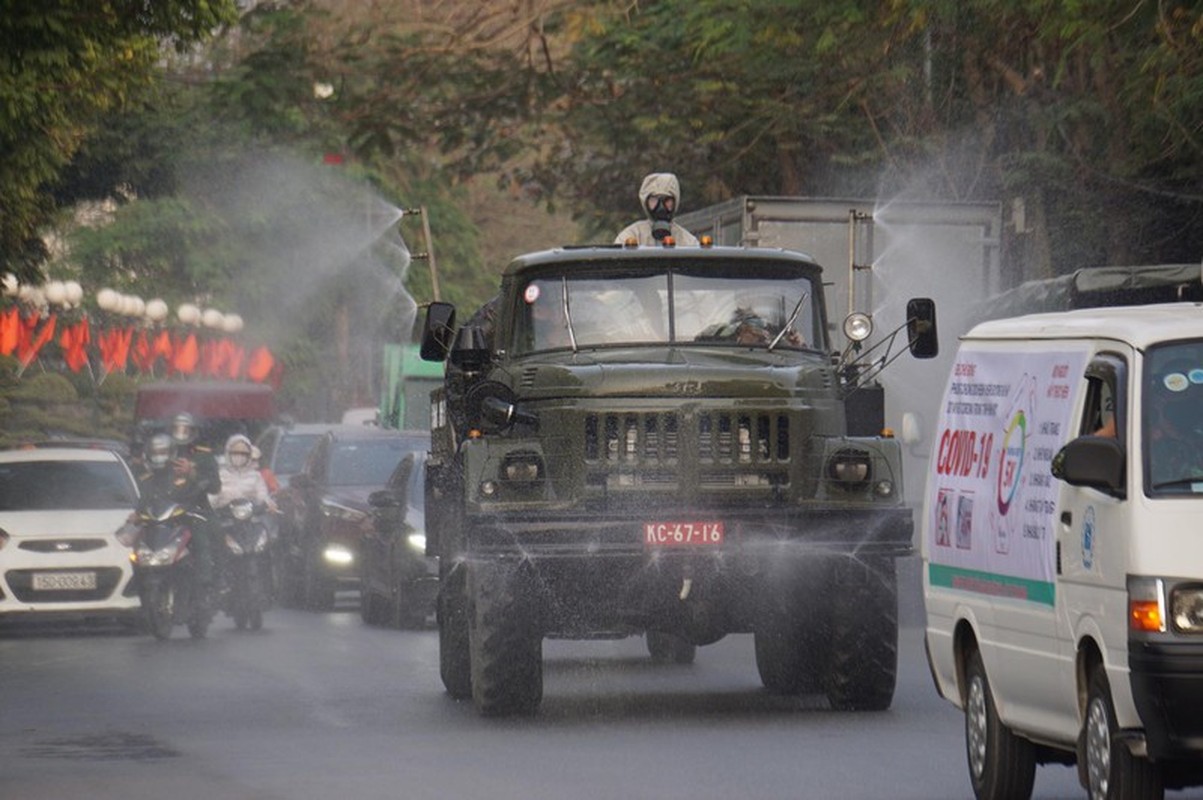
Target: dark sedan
[(327, 508), (398, 581)]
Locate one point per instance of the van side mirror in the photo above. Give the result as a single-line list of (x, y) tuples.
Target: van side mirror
[(1098, 462), (437, 331), (921, 335)]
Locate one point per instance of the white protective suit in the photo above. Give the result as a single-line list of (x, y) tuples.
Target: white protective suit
[(664, 183), (244, 481)]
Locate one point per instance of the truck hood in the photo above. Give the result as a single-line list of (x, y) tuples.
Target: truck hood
[(674, 372)]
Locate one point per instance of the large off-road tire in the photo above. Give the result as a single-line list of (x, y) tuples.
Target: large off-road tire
[(665, 648), (455, 661), (1106, 765), (506, 645), (159, 601), (863, 663), (791, 636), (1002, 766)]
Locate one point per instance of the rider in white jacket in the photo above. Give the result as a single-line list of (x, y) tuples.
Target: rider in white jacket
[(239, 476)]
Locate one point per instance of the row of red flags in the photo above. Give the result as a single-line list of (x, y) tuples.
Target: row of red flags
[(118, 348)]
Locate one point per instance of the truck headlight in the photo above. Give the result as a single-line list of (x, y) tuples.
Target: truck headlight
[(1186, 609), (523, 467), (850, 467)]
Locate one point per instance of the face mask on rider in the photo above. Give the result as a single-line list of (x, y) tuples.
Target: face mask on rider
[(239, 458)]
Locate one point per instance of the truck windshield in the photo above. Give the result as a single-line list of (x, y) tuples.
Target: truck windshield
[(1172, 419), (677, 307)]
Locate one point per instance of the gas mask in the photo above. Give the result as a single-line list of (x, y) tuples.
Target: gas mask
[(660, 208)]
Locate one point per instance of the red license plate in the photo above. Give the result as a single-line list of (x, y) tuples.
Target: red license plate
[(682, 534)]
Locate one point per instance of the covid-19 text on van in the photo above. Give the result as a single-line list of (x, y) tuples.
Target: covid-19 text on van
[(1062, 549)]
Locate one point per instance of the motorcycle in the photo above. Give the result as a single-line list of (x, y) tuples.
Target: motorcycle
[(165, 569), (246, 593)]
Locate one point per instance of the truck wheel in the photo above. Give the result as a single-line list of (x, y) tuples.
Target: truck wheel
[(864, 635), (665, 648), (455, 665), (506, 648), (788, 658), (1001, 764), (1105, 762)]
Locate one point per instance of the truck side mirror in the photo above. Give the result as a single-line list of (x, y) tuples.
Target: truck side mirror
[(1094, 461), (437, 331), (921, 335)]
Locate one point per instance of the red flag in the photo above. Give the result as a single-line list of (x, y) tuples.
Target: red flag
[(260, 365), (234, 360), (121, 346), (74, 340), (185, 355), (27, 351), (143, 353), (10, 330)]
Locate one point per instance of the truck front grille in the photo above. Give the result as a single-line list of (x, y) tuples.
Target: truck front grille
[(719, 437)]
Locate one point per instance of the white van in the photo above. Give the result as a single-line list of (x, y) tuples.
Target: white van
[(1062, 547)]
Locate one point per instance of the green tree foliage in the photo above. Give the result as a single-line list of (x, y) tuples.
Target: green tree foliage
[(66, 63)]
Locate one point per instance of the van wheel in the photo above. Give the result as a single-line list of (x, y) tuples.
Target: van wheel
[(1108, 768), (1001, 764)]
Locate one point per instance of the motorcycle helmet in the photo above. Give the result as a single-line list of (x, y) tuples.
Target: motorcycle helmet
[(183, 428), (158, 451)]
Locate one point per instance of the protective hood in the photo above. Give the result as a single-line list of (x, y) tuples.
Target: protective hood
[(238, 438), (660, 183)]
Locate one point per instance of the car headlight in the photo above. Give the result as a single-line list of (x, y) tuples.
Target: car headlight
[(338, 554), (1186, 609), (416, 542), (850, 467)]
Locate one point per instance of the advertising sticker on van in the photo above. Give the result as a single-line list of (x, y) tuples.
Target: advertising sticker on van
[(1005, 414)]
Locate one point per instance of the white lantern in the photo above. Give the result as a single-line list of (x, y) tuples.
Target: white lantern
[(189, 314), (137, 306), (125, 305), (11, 284), (75, 292), (156, 310), (56, 293), (108, 300), (232, 324), (212, 318)]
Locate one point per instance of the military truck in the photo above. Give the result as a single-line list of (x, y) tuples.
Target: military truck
[(653, 441)]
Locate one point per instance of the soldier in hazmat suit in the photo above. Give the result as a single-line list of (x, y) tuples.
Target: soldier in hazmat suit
[(659, 196)]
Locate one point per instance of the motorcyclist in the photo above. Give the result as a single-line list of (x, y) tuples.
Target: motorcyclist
[(195, 476), (659, 197), (240, 477)]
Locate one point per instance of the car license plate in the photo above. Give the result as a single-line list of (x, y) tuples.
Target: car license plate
[(682, 534), (63, 581)]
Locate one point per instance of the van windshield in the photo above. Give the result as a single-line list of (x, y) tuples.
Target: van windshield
[(675, 306), (1172, 419)]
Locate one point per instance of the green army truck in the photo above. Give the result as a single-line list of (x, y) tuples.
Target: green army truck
[(654, 441)]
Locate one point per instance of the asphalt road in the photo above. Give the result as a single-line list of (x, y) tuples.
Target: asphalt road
[(321, 706)]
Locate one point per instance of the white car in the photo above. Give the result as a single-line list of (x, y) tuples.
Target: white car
[(60, 509)]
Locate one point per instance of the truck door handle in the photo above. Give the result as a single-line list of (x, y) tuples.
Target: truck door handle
[(1067, 518)]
